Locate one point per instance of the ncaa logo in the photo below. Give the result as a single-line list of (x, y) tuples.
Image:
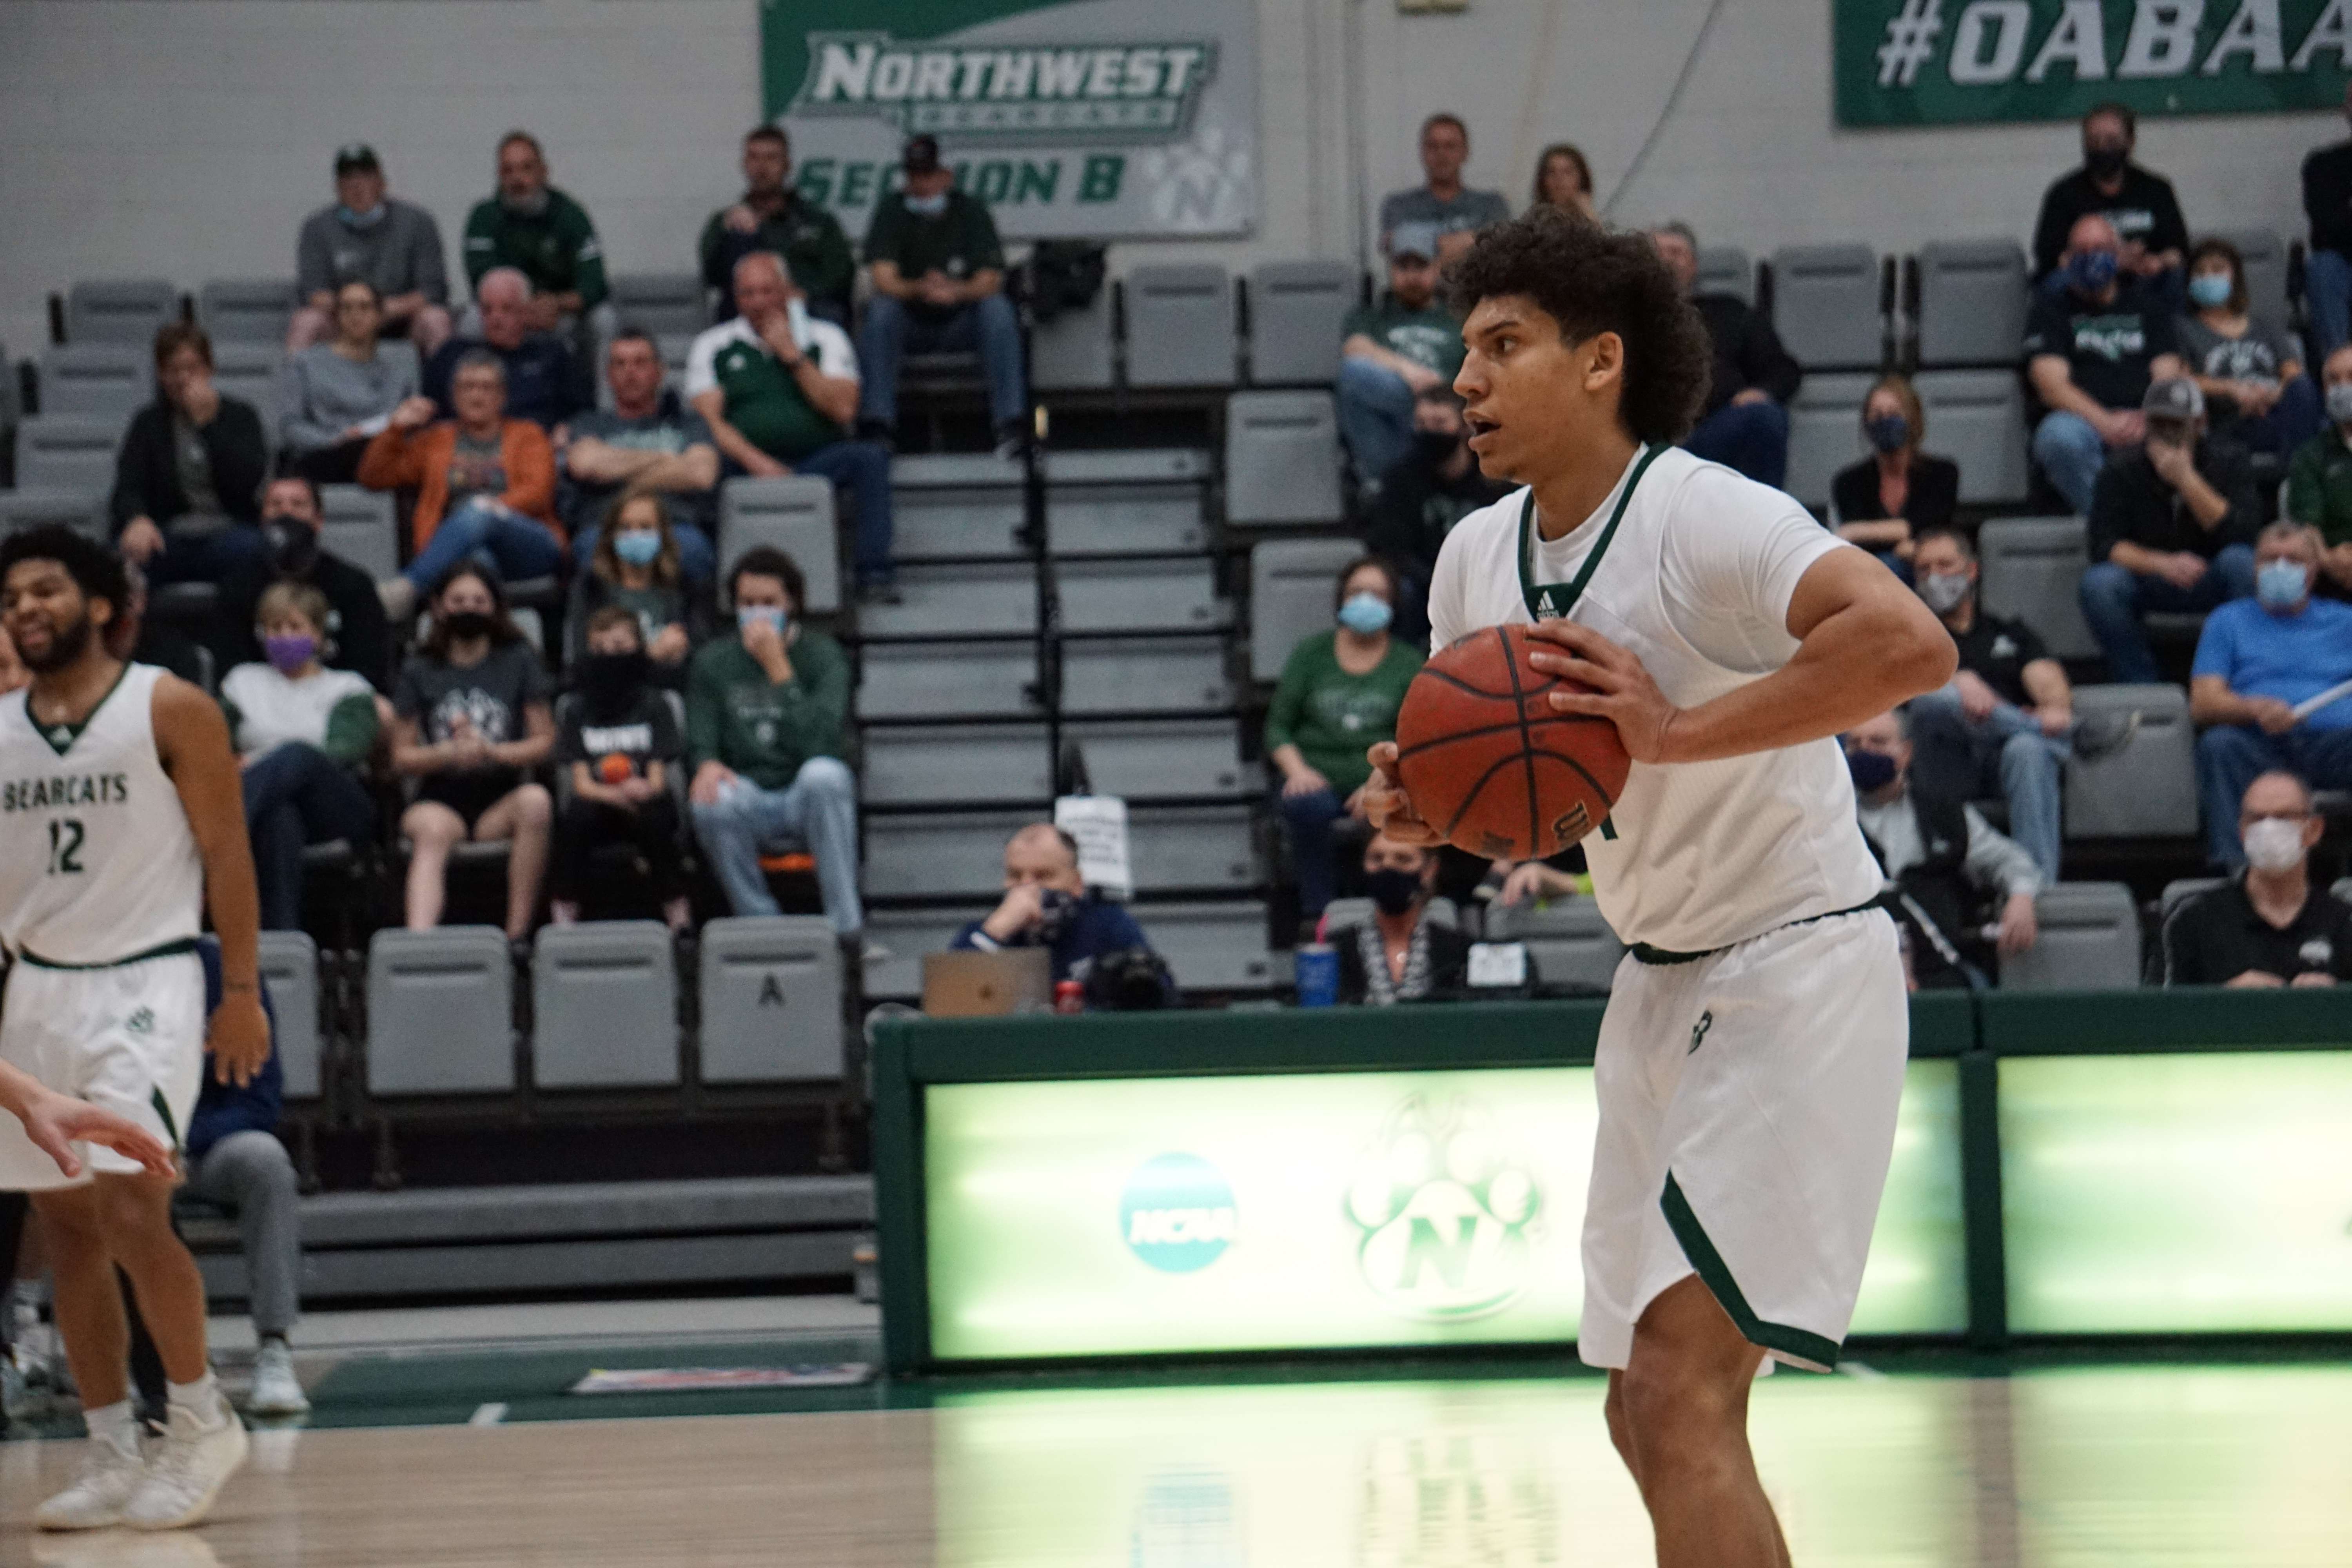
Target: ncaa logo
[(1177, 1214)]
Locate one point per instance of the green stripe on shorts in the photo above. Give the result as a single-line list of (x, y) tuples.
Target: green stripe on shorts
[(1809, 1348), (163, 1108)]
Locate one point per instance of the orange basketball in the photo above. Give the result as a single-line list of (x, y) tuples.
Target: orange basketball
[(614, 768), (1488, 762)]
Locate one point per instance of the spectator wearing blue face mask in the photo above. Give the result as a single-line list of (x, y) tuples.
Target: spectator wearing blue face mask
[(2249, 368), (639, 563), (2092, 347), (1885, 502), (2257, 661), (1339, 696), (765, 715)]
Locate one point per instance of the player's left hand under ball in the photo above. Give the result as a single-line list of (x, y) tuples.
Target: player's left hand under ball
[(1386, 805), (239, 1039), (1622, 691)]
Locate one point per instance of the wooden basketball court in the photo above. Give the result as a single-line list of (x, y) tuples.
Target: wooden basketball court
[(2143, 1465)]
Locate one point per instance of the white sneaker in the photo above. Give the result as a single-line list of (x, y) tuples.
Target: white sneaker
[(193, 1462), (100, 1494), (275, 1390)]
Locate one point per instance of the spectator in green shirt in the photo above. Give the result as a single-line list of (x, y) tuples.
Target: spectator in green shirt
[(541, 233), (2319, 479), (938, 272), (1392, 352), (773, 215), (765, 712), (1338, 698)]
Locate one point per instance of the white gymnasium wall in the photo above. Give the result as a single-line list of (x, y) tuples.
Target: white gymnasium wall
[(188, 137)]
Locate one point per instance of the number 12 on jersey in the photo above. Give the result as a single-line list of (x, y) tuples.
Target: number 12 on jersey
[(65, 846)]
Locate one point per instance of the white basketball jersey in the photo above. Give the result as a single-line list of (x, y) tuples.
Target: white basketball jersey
[(1696, 579), (97, 861)]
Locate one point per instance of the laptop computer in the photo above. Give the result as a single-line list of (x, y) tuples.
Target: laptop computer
[(976, 985)]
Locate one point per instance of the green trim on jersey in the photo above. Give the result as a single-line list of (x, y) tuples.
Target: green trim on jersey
[(1552, 601), (71, 732), (173, 949), (1812, 1348)]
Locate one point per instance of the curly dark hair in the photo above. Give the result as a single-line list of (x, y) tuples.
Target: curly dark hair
[(1591, 281), (95, 569)]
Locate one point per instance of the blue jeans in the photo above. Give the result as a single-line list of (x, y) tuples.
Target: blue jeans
[(234, 550), (2071, 454), (892, 331), (1310, 817), (1375, 417), (2327, 291), (819, 808), (2008, 742), (298, 795), (2114, 600), (2231, 756), (516, 548), (697, 557), (862, 468), (1751, 439)]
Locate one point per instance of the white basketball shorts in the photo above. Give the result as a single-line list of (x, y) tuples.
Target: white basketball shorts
[(130, 1037), (1747, 1102)]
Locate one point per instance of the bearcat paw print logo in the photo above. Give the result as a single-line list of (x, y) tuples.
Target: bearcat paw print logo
[(1448, 1214)]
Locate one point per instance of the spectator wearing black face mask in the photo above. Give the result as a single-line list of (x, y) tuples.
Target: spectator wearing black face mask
[(2140, 204), (1400, 956), (1047, 905), (358, 635), (1422, 497), (618, 738), (1884, 502)]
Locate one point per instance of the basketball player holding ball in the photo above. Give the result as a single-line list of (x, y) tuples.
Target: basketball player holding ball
[(1752, 1056)]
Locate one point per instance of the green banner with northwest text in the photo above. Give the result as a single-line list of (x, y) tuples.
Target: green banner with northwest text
[(1937, 62)]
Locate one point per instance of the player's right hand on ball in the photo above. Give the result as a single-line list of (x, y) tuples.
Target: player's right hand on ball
[(1386, 805)]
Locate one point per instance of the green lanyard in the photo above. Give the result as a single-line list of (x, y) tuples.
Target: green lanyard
[(1552, 601)]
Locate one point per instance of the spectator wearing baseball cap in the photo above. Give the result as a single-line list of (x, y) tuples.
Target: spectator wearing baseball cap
[(2172, 528), (1391, 353), (938, 274), (365, 235)]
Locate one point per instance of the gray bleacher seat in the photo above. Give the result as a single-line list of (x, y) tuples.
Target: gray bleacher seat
[(1180, 325), (906, 935), (82, 511), (358, 525), (2176, 893), (72, 453), (956, 764), (967, 504), (674, 348), (2031, 569), (794, 514), (1282, 458), (1726, 270), (1164, 758), (247, 310), (97, 380), (119, 310), (603, 1005), (770, 1000), (1297, 308), (1972, 301), (1568, 943), (1215, 946), (1441, 911), (1292, 585), (2089, 941), (1074, 351), (2149, 789), (947, 680), (1172, 847), (1824, 433), (1825, 306), (983, 598), (1139, 596), (1145, 675), (1112, 504), (440, 1011), (248, 373), (1977, 418), (289, 967), (940, 855), (660, 301), (2266, 271)]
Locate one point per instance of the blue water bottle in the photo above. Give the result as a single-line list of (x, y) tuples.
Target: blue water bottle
[(1318, 974)]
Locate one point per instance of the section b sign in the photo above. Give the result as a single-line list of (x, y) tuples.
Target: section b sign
[(1103, 118), (1929, 62)]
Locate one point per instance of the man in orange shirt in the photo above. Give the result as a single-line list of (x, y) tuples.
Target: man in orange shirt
[(485, 485)]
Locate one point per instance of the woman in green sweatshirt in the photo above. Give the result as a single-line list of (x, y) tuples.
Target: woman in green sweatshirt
[(1339, 696)]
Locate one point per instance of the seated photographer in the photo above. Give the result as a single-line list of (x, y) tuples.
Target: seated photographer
[(1398, 956), (1047, 905)]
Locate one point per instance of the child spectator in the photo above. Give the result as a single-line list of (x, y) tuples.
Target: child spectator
[(618, 739)]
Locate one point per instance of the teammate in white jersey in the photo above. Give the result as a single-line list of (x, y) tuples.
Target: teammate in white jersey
[(1751, 1058), (121, 814)]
